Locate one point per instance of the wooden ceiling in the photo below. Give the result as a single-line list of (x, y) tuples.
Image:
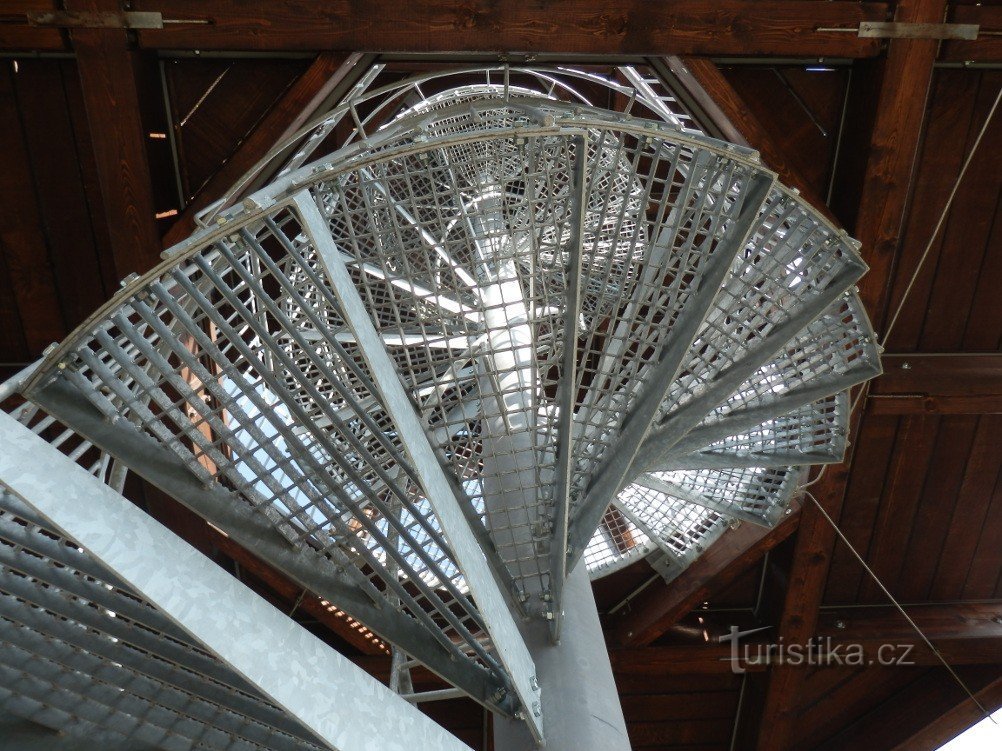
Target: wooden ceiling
[(874, 133)]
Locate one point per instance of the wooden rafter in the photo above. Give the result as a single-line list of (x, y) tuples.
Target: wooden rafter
[(588, 27), (898, 114), (111, 100), (572, 26), (963, 633), (659, 608), (947, 384), (925, 715)]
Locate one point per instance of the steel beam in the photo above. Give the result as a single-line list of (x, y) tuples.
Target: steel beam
[(698, 499), (341, 704), (581, 709), (483, 581), (567, 395)]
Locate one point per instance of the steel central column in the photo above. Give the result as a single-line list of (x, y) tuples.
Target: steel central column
[(580, 704)]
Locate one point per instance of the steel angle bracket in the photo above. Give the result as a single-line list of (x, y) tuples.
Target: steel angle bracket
[(483, 580), (341, 705), (566, 396)]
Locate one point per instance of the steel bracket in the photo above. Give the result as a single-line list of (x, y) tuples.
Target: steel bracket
[(899, 30), (72, 19)]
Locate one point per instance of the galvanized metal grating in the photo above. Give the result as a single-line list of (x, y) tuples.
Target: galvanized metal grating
[(83, 655), (478, 235), (191, 359)]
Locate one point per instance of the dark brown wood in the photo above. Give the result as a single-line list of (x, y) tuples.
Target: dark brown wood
[(987, 47), (292, 110), (963, 633), (944, 384), (676, 659), (113, 114), (923, 715), (899, 112), (660, 607), (636, 27), (738, 117), (22, 238), (942, 726), (62, 200), (868, 483), (17, 34), (971, 514), (887, 545), (894, 141), (833, 694)]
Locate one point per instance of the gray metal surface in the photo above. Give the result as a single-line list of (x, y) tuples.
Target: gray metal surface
[(338, 702), (580, 709)]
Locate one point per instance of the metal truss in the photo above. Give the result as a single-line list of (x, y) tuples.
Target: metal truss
[(495, 334)]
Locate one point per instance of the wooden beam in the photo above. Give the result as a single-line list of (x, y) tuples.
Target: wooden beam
[(32, 311), (963, 633), (658, 608), (961, 714), (293, 110), (111, 100), (16, 34), (706, 84), (570, 27), (924, 715), (938, 384), (897, 111), (988, 46), (678, 659)]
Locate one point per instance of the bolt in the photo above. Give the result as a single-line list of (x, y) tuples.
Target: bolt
[(534, 683), (840, 625), (906, 366), (998, 619), (788, 511)]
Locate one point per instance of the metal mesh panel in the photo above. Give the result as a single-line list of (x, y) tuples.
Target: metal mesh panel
[(463, 271), (681, 527), (81, 654), (368, 108), (339, 489), (790, 258)]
